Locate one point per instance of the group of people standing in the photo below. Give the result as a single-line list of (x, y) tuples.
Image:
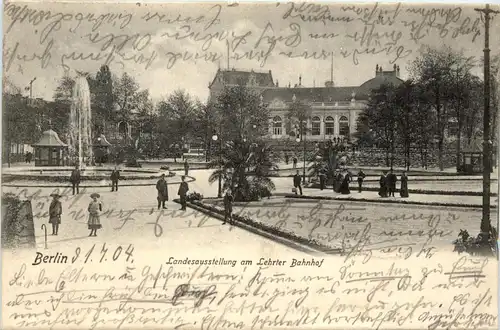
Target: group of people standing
[(342, 179), (94, 209), (388, 181), (76, 178)]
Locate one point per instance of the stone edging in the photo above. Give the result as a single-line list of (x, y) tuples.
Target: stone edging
[(286, 238), (130, 184), (417, 191), (389, 201)]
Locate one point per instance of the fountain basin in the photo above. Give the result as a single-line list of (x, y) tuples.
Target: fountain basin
[(62, 174)]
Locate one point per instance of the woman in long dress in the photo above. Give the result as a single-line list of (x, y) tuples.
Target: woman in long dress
[(94, 209), (55, 211), (383, 185), (404, 186), (344, 188)]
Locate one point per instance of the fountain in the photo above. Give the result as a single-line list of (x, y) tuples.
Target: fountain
[(80, 134), (79, 140)]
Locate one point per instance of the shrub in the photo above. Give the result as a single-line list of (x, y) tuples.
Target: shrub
[(194, 196), (481, 245)]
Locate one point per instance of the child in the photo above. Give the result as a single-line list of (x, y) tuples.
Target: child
[(95, 207)]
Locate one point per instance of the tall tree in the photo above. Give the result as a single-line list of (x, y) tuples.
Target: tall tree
[(405, 105), (432, 70), (379, 118), (103, 105), (299, 112), (125, 95), (241, 113)]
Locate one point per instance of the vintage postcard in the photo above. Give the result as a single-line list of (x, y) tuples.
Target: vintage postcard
[(250, 166)]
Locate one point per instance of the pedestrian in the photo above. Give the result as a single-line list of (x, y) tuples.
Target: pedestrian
[(287, 158), (294, 162), (30, 157), (95, 209), (297, 182), (346, 180), (55, 211), (392, 179), (404, 186), (337, 181), (361, 177), (228, 207), (162, 188), (75, 179), (186, 167), (26, 157), (183, 189), (322, 178), (115, 176), (383, 185)]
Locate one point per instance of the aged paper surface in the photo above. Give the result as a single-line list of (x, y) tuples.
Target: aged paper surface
[(249, 166)]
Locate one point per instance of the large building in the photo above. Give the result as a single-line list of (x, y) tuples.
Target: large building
[(334, 109)]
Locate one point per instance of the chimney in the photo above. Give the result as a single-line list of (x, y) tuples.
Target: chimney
[(394, 67), (397, 72), (300, 80), (277, 84), (289, 85), (376, 69)]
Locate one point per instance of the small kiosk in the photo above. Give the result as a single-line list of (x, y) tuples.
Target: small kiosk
[(50, 150), (101, 149), (472, 157)]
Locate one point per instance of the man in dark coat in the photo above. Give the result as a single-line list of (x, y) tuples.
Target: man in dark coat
[(294, 162), (75, 180), (361, 177), (391, 180), (287, 159), (115, 176), (297, 182), (162, 188), (228, 207), (322, 178), (186, 167), (183, 189)]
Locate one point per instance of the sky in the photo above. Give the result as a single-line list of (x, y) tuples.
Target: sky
[(181, 46)]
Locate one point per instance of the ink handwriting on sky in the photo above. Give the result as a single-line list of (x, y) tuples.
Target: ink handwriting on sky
[(173, 39)]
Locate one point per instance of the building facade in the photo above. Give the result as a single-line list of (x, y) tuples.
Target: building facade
[(334, 109)]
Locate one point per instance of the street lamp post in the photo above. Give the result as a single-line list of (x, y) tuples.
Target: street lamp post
[(485, 221), (303, 138), (215, 138), (99, 160)]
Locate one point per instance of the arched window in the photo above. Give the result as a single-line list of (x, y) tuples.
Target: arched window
[(329, 126), (122, 127), (277, 125), (343, 126), (316, 126)]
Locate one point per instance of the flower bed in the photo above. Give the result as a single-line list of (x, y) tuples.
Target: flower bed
[(272, 230), (382, 200), (419, 191)]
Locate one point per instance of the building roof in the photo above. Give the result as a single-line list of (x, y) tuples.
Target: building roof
[(240, 77), (385, 77), (314, 94), (50, 139)]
